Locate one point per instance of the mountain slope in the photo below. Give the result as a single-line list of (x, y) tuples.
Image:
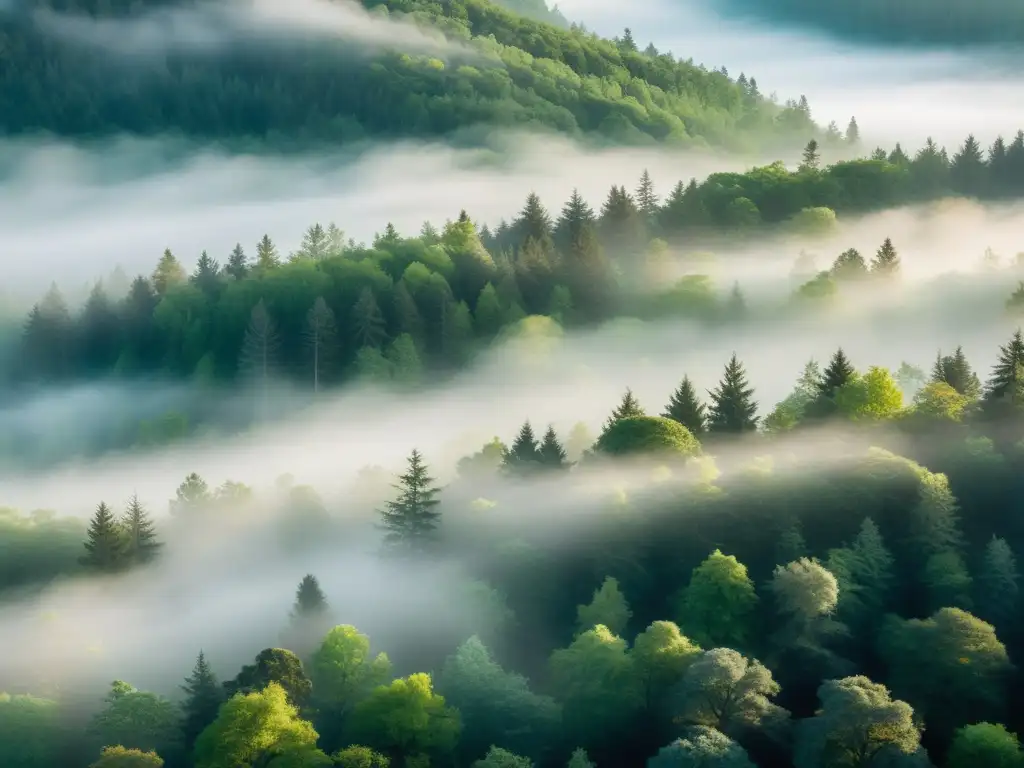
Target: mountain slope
[(494, 68)]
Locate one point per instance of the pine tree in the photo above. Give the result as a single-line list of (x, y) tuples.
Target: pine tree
[(685, 408), (266, 255), (576, 214), (871, 567), (837, 374), (203, 697), (207, 274), (370, 328), (997, 583), (853, 132), (407, 313), (104, 548), (259, 351), (628, 408), (314, 243), (321, 335), (627, 43), (551, 452), (849, 265), (310, 602), (533, 222), (898, 156), (410, 522), (139, 533), (886, 260), (646, 199), (967, 171), (1007, 375), (580, 759), (524, 455), (387, 238), (956, 371), (168, 273), (811, 157), (238, 263), (732, 410)]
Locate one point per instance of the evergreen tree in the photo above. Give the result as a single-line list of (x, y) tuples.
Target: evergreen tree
[(849, 265), (997, 584), (898, 156), (139, 533), (407, 313), (886, 260), (967, 171), (48, 338), (622, 226), (646, 199), (410, 522), (321, 334), (732, 410), (259, 351), (203, 697), (685, 408), (310, 602), (956, 371), (576, 215), (168, 273), (238, 263), (207, 274), (853, 132), (533, 222), (1008, 373), (524, 455), (628, 408), (838, 373), (811, 157), (791, 545), (551, 452), (627, 44), (368, 321), (266, 255), (104, 547), (314, 243)]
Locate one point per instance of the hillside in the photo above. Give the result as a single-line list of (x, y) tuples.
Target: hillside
[(920, 22), (68, 73)]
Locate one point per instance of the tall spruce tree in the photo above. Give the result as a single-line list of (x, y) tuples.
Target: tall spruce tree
[(238, 263), (139, 533), (203, 697), (853, 132), (956, 371), (685, 408), (104, 547), (646, 199), (837, 374), (1008, 373), (732, 410), (524, 455), (551, 452), (886, 260), (576, 214), (207, 275), (266, 255), (410, 522), (533, 222), (628, 408), (367, 321), (310, 601), (998, 588)]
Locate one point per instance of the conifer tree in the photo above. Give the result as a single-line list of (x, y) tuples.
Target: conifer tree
[(259, 352), (956, 371), (628, 408), (732, 409), (310, 601), (321, 334), (853, 132), (407, 313), (207, 274), (314, 243), (139, 533), (203, 697), (370, 328), (811, 157), (849, 265), (168, 273), (608, 606), (1008, 373), (104, 547), (576, 215), (967, 171), (551, 452), (685, 408), (646, 199), (886, 260), (238, 263), (410, 522), (838, 373), (998, 585), (524, 455), (266, 255), (533, 222)]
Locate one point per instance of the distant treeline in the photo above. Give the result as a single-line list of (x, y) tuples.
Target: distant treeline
[(276, 94), (916, 22)]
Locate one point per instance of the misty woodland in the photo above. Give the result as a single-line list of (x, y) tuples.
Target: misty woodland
[(719, 579)]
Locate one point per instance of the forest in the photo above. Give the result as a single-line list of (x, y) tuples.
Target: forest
[(914, 22), (410, 308), (502, 70), (730, 602)]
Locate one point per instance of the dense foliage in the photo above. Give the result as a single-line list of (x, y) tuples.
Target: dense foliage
[(916, 22), (500, 69), (729, 612)]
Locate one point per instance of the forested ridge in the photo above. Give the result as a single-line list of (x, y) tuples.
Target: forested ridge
[(407, 308), (723, 612), (516, 72), (915, 22)]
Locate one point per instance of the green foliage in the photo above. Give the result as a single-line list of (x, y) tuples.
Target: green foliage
[(661, 656), (864, 573), (701, 747), (579, 759), (497, 757), (261, 726), (119, 757), (137, 720), (875, 396), (642, 435), (985, 744), (997, 584), (273, 665), (30, 732), (717, 608), (410, 522), (359, 757), (406, 719), (608, 607), (203, 697), (686, 408), (725, 690), (104, 548), (733, 410)]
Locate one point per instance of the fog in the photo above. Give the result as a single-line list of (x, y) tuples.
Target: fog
[(123, 203), (896, 95), (209, 25)]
